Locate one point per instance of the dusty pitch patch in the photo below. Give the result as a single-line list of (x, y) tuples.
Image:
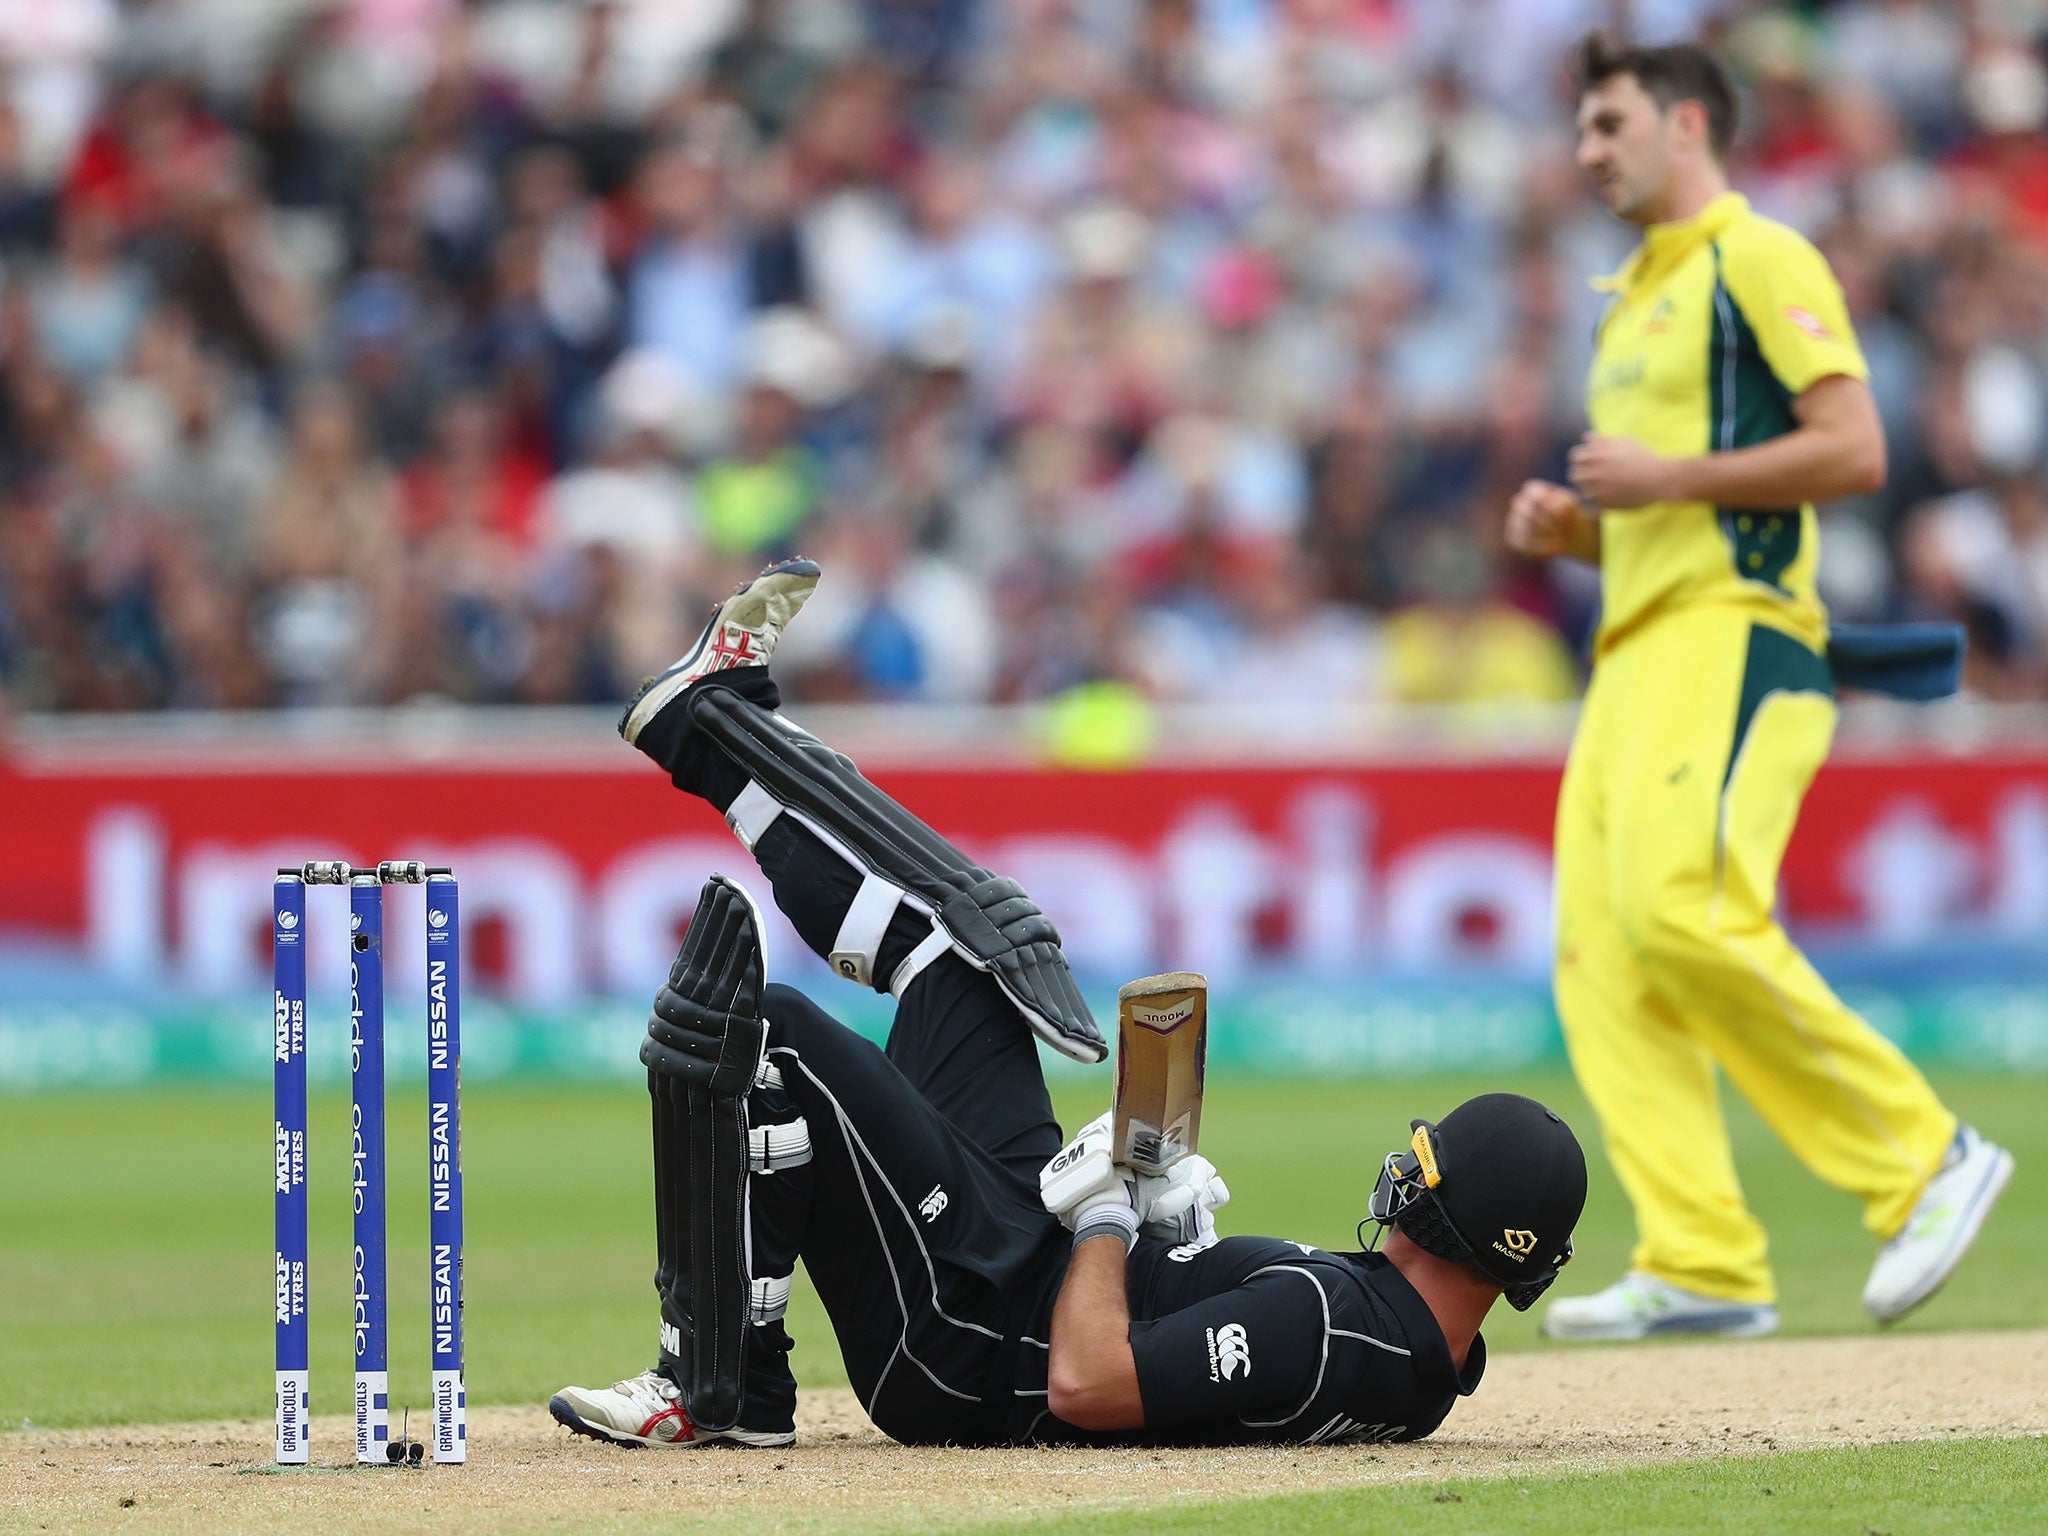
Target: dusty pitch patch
[(1537, 1413)]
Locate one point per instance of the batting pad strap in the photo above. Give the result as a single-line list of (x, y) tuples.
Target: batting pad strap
[(767, 1075), (752, 812), (768, 1299), (935, 944), (861, 930), (770, 1147)]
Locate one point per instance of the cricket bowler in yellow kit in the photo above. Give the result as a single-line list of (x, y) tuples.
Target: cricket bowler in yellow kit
[(1727, 395)]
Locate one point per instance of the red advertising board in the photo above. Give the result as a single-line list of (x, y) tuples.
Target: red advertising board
[(160, 869)]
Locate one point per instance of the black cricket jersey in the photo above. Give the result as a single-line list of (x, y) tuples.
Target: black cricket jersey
[(1258, 1340)]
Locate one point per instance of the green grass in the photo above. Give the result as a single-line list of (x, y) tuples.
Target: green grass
[(1966, 1488), (135, 1234)]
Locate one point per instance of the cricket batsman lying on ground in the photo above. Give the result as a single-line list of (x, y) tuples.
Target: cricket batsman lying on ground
[(970, 1308)]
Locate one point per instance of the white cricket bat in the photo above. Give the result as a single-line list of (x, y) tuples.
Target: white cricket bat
[(1162, 1039)]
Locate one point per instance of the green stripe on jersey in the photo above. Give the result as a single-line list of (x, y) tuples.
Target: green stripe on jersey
[(1746, 405)]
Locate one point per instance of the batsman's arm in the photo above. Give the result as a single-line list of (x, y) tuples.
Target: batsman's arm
[(1092, 1376)]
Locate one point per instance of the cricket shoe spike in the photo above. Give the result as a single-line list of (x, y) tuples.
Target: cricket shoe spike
[(1640, 1306), (1945, 1222), (741, 633), (647, 1410)]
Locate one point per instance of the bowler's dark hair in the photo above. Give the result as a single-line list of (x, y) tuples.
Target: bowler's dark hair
[(1673, 73)]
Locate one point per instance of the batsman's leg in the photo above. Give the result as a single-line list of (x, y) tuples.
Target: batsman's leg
[(927, 1251), (956, 1039), (920, 1243), (955, 1034), (721, 1129), (867, 884)]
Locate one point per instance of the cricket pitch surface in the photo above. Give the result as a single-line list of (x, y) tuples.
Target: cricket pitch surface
[(1537, 1413)]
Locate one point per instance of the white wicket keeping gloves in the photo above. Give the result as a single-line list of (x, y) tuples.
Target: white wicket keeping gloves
[(1179, 1206), (1089, 1193)]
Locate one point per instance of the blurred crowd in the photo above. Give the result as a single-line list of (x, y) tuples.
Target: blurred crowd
[(363, 351)]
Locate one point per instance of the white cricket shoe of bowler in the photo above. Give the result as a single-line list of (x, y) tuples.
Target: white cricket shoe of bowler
[(646, 1410), (1945, 1221), (1640, 1306), (742, 633)]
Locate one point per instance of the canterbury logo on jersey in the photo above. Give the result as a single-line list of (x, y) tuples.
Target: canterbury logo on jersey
[(933, 1203), (1230, 1352)]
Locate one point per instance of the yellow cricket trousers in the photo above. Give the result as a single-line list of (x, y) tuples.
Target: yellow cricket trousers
[(1700, 734)]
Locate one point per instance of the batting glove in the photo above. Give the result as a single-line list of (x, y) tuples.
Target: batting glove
[(1089, 1193), (1179, 1206)]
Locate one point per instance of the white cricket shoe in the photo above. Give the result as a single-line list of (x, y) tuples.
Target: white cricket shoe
[(742, 633), (647, 1410), (1640, 1306), (1945, 1221)]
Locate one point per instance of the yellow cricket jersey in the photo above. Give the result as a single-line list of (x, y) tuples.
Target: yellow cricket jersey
[(1718, 322)]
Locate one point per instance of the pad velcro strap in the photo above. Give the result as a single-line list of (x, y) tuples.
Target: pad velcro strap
[(767, 1075), (861, 930), (752, 812), (768, 1299), (770, 1147), (933, 945), (1109, 1219)]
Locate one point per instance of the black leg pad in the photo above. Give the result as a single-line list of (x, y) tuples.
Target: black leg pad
[(703, 1048)]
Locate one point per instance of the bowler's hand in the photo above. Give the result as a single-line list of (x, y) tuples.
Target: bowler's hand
[(1619, 473), (1545, 521)]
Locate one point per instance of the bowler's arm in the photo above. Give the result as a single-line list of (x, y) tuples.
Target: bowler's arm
[(1092, 1375), (1836, 450)]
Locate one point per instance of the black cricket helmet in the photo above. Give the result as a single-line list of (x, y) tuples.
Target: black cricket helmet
[(1498, 1183)]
